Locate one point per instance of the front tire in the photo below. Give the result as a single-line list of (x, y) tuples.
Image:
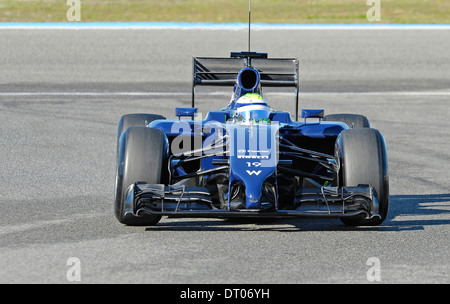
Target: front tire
[(135, 120), (142, 157), (363, 157)]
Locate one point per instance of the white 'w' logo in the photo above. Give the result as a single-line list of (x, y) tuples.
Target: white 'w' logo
[(253, 172)]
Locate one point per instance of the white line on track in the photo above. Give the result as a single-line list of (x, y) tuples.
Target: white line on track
[(183, 94)]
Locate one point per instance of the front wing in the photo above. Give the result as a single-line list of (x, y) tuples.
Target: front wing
[(183, 201)]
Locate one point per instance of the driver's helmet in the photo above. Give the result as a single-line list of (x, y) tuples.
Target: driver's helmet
[(252, 107)]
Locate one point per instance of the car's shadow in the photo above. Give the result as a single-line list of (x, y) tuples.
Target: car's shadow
[(407, 212)]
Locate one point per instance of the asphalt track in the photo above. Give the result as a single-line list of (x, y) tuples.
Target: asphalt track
[(63, 91)]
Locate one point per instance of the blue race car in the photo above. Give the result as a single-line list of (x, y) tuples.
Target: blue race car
[(248, 160)]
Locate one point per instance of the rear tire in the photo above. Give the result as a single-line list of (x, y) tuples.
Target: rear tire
[(142, 157), (351, 120), (363, 157)]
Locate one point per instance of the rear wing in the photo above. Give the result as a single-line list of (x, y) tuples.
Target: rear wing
[(274, 72)]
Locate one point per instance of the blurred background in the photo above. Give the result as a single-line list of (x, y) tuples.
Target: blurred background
[(224, 11)]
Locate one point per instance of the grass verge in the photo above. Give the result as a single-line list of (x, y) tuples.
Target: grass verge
[(223, 11)]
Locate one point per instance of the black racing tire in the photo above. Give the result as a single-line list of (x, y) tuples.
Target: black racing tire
[(363, 160), (351, 120), (142, 157), (135, 120)]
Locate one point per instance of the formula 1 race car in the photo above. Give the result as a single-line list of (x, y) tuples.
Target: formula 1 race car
[(248, 160)]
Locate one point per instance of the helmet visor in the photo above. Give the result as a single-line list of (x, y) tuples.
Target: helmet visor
[(255, 114)]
